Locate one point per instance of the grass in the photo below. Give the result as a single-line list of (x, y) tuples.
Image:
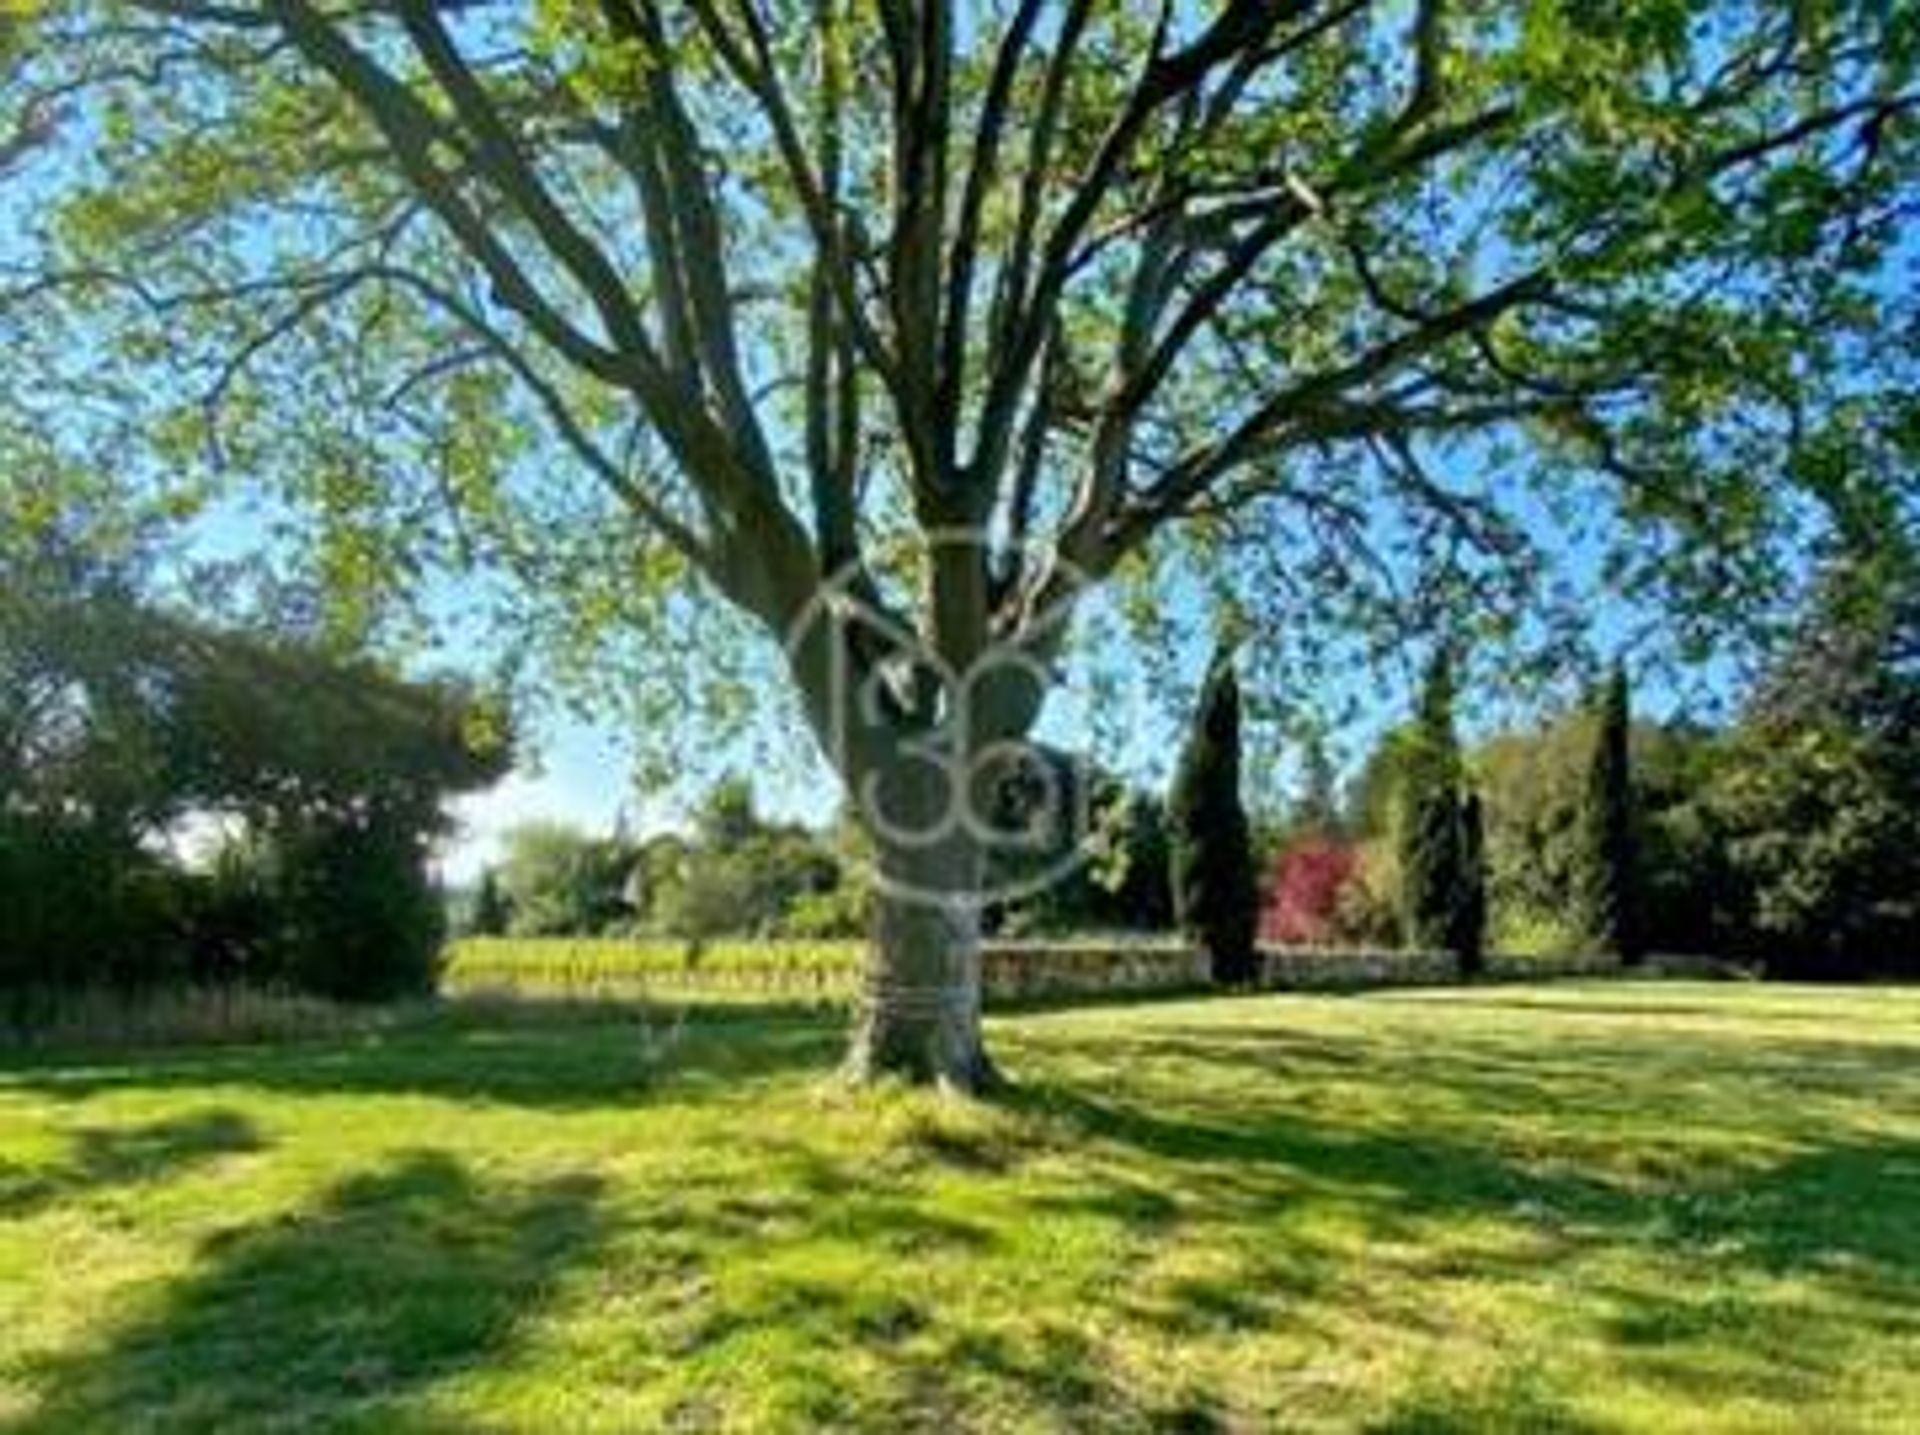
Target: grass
[(1586, 1207)]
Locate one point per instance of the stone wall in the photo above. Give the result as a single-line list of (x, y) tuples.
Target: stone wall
[(1017, 970)]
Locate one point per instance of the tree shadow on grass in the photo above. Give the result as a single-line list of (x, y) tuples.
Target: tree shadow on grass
[(107, 1157), (1839, 1216), (1178, 1176), (1833, 1203), (568, 1064), (398, 1278)]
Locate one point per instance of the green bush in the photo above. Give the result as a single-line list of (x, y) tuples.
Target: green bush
[(237, 917), (363, 922), (560, 882), (842, 911), (79, 906)]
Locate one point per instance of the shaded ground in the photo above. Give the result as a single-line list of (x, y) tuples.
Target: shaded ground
[(1580, 1208)]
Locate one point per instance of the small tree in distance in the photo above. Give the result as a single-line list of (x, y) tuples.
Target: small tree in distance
[(1469, 941), (490, 911), (1604, 875), (1215, 894), (1317, 812), (1437, 831)]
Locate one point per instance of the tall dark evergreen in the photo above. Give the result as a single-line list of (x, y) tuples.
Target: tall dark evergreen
[(1437, 831), (1604, 872), (1469, 938), (490, 911), (1215, 892)]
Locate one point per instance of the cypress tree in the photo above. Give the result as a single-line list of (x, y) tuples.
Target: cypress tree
[(489, 917), (1428, 831), (1604, 872), (1469, 939), (1216, 897)]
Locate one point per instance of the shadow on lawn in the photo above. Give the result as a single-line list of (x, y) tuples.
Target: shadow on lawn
[(563, 1058), (123, 1156), (1835, 1198), (1840, 1215), (395, 1279)]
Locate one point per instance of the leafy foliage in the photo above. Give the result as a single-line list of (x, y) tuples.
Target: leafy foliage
[(1305, 890), (1097, 862), (1817, 795), (362, 922), (735, 875), (559, 881), (123, 721), (1788, 836), (1824, 847)]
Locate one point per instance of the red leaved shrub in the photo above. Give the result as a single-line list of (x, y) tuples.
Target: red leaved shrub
[(1302, 896)]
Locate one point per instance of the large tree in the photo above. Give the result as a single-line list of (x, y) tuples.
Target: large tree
[(893, 324)]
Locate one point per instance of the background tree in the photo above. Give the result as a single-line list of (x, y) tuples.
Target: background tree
[(123, 723), (1816, 791), (1216, 897), (1440, 831), (1094, 856), (1129, 863), (562, 882), (362, 920), (1315, 812), (1428, 832), (491, 912), (1468, 936), (726, 820), (638, 301), (1605, 900)]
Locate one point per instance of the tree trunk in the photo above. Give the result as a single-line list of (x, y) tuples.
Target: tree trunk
[(919, 1014)]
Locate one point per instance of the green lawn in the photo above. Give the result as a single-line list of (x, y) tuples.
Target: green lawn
[(1583, 1207)]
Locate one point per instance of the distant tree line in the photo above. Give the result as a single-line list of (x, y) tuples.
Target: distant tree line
[(735, 873), (1788, 836)]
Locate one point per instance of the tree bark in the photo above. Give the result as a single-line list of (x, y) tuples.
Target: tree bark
[(919, 1013)]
